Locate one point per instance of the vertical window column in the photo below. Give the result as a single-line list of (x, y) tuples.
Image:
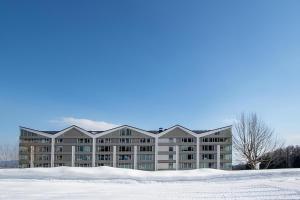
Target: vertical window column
[(31, 156), (73, 156), (52, 151), (218, 156), (156, 153), (114, 156), (177, 157), (135, 157), (94, 153)]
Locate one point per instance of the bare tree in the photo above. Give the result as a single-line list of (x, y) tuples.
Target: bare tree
[(253, 139), (8, 152)]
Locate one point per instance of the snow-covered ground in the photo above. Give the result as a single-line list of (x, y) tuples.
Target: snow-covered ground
[(112, 183)]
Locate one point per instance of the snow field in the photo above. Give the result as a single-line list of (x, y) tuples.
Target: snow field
[(113, 183)]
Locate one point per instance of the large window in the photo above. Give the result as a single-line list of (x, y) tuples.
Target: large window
[(145, 157), (84, 149), (59, 149), (213, 139), (208, 156), (104, 140), (186, 140), (104, 157), (84, 140), (124, 148), (83, 157), (187, 165), (59, 140), (43, 157), (145, 148), (58, 157), (43, 149), (187, 157), (146, 140), (208, 147), (125, 165), (125, 140), (146, 166), (104, 149), (23, 149), (125, 132), (124, 157), (187, 148)]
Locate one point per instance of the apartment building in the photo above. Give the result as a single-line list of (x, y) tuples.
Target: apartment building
[(175, 148)]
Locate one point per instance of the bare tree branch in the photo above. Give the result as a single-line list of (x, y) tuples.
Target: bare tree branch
[(253, 139)]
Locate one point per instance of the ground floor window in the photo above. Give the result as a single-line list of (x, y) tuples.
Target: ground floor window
[(104, 157), (146, 166), (187, 165), (83, 157), (125, 165), (82, 165)]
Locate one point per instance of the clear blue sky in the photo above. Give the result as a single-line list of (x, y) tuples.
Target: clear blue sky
[(149, 64)]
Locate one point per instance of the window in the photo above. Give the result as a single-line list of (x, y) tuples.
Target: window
[(103, 148), (58, 157), (124, 157), (103, 157), (186, 140), (187, 157), (171, 157), (59, 149), (125, 165), (187, 148), (225, 156), (83, 157), (171, 148), (125, 132), (208, 156), (187, 165), (208, 147), (145, 157), (125, 140), (146, 140), (23, 149), (171, 166), (84, 140), (145, 148), (60, 140), (124, 148), (84, 148), (146, 166), (43, 149), (45, 140), (43, 157), (104, 140)]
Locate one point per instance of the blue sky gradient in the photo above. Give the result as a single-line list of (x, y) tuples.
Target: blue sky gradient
[(149, 64)]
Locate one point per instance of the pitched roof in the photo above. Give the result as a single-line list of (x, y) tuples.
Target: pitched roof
[(116, 128)]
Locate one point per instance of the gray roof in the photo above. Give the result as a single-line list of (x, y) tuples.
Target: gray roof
[(150, 131)]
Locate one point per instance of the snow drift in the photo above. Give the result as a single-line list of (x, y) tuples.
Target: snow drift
[(109, 173)]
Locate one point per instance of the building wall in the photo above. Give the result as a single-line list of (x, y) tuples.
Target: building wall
[(36, 148), (82, 147), (127, 148)]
